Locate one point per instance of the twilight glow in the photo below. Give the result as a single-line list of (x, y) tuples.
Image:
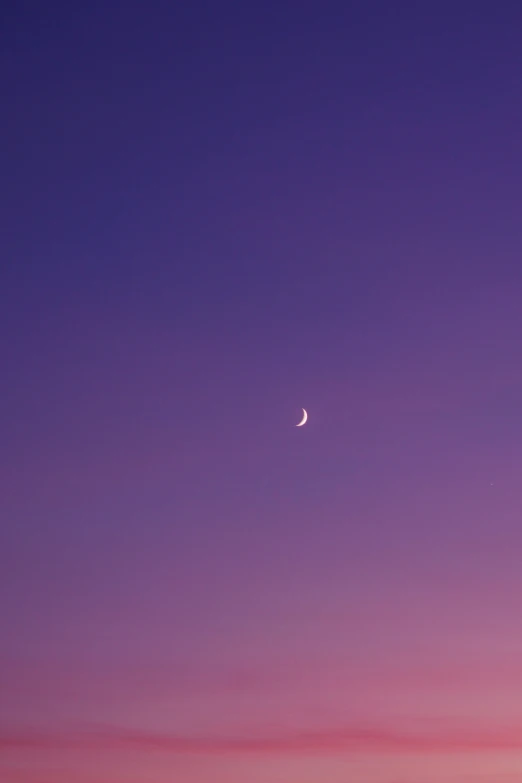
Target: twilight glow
[(214, 216)]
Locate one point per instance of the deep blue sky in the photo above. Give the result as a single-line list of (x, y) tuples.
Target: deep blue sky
[(257, 158)]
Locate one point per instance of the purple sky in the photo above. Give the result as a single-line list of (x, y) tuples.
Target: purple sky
[(212, 217)]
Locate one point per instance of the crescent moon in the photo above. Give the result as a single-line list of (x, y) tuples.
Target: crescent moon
[(303, 420)]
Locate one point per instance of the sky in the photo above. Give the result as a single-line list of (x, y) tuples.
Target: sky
[(214, 215)]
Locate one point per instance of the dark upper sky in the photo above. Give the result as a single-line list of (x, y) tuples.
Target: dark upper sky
[(232, 158), (213, 215)]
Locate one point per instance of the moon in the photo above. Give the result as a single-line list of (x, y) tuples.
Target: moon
[(303, 420)]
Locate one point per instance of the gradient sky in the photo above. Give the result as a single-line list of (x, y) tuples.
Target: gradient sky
[(214, 215)]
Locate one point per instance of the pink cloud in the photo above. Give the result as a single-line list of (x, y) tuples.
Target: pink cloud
[(17, 775), (347, 740)]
